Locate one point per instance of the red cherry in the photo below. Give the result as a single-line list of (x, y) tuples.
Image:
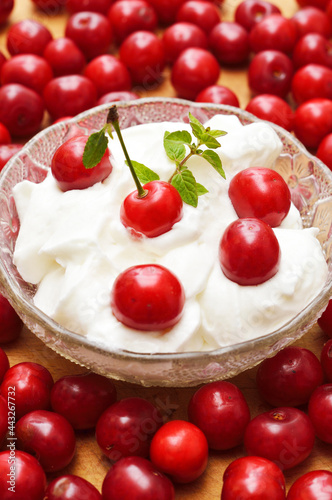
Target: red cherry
[(311, 486), (81, 399), (120, 95), (220, 410), (313, 121), (27, 69), (219, 95), (262, 193), (101, 6), (33, 384), (313, 48), (284, 435), (270, 72), (166, 9), (29, 481), (128, 16), (6, 152), (272, 108), (136, 477), (4, 135), (321, 4), (147, 297), (203, 14), (4, 364), (181, 36), (64, 56), (194, 70), (311, 81), (69, 95), (229, 42), (170, 453), (251, 12), (253, 477), (91, 31), (325, 321), (126, 428), (326, 360), (28, 37), (154, 214), (312, 20), (49, 437), (4, 413), (320, 412), (50, 7), (289, 377), (108, 74), (249, 252), (10, 322), (274, 32), (68, 169), (6, 8), (142, 53), (21, 109), (70, 487)]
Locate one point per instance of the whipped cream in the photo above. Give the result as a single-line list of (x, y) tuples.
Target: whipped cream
[(73, 246)]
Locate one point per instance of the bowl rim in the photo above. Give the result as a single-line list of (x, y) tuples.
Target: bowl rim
[(26, 307)]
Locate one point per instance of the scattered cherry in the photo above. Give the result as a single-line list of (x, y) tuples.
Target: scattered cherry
[(64, 56), (136, 477), (272, 108), (29, 481), (320, 412), (108, 74), (274, 32), (325, 321), (313, 121), (30, 70), (28, 37), (311, 81), (203, 14), (219, 95), (166, 9), (4, 135), (4, 364), (312, 20), (101, 6), (71, 487), (128, 16), (270, 72), (313, 48), (229, 42), (311, 486), (326, 360), (4, 417), (180, 450), (10, 323), (6, 8), (251, 12), (181, 36), (119, 95)]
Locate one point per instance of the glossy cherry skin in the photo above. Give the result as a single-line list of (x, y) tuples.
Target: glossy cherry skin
[(313, 48), (166, 10), (290, 377), (128, 16), (181, 36), (4, 364), (127, 427), (68, 169), (311, 81), (5, 10), (27, 69), (49, 437), (148, 297), (91, 31), (219, 95), (272, 108), (249, 252), (64, 57), (324, 153), (251, 12), (154, 214), (274, 32), (253, 477), (50, 7), (81, 399), (108, 74), (4, 134), (262, 193), (312, 20), (270, 72), (10, 323), (119, 95), (320, 412), (30, 479), (136, 477), (6, 152), (4, 414), (313, 121), (326, 360), (203, 14), (21, 109), (69, 95), (28, 37), (284, 435), (229, 42), (311, 486), (325, 321), (32, 385), (101, 6), (194, 70), (220, 410), (71, 487), (321, 4), (142, 52)]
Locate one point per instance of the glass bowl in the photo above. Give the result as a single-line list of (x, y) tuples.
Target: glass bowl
[(310, 183)]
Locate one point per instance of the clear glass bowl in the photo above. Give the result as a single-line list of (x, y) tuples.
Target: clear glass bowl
[(310, 183)]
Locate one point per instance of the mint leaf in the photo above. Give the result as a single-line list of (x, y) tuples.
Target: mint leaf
[(213, 158), (145, 174), (196, 126), (175, 150), (217, 133), (95, 149), (210, 141), (185, 183), (178, 137), (201, 189)]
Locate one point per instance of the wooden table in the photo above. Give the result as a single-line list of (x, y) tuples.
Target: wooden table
[(89, 461)]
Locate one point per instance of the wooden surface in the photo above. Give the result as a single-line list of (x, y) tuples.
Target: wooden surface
[(89, 461)]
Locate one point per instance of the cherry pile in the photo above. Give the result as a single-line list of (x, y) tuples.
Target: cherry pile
[(149, 452)]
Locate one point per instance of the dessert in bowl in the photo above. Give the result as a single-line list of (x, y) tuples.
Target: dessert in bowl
[(222, 330)]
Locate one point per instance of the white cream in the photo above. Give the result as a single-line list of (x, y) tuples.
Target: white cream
[(73, 246)]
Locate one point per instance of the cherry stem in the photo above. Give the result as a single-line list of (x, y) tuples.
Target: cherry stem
[(113, 118)]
